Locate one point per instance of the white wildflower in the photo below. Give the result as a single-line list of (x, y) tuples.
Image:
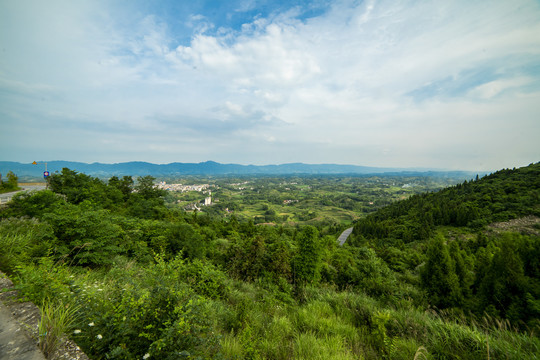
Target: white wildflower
[(146, 356), (99, 336), (91, 324), (77, 331)]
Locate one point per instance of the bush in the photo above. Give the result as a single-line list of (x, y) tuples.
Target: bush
[(46, 280), (145, 312)]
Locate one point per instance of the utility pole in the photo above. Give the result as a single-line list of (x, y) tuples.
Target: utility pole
[(45, 173)]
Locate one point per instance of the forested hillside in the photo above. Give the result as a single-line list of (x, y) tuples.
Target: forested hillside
[(501, 196), (427, 277), (466, 266)]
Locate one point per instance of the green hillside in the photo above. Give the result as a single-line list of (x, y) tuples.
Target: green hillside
[(501, 196), (445, 275)]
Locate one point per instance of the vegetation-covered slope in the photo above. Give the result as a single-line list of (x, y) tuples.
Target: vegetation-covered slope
[(152, 282), (501, 196), (467, 267)]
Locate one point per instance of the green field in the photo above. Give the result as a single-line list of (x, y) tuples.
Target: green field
[(303, 200)]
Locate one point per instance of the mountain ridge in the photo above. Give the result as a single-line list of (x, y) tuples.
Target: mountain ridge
[(141, 168)]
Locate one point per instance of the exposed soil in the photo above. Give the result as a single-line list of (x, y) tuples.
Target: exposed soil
[(27, 315), (529, 225)]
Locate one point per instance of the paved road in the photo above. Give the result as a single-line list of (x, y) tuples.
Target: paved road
[(14, 343), (344, 235), (4, 198)]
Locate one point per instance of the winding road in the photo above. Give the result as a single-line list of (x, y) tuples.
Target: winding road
[(344, 235)]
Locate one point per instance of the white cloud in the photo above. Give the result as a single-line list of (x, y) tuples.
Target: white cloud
[(374, 83), (496, 87)]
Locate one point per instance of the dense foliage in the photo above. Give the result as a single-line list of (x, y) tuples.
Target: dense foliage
[(481, 272), (424, 276), (501, 196)]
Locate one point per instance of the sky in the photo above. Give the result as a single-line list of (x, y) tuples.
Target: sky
[(435, 84)]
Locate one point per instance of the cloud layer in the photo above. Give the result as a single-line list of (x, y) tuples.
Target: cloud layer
[(382, 83)]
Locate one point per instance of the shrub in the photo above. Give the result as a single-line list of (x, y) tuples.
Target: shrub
[(146, 312)]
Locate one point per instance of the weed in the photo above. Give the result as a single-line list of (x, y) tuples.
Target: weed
[(56, 321), (421, 353)]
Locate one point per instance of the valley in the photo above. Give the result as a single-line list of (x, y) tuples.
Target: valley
[(435, 267)]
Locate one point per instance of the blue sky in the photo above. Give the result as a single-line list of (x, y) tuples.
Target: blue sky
[(452, 85)]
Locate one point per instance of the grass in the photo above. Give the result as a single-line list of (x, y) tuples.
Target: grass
[(14, 250), (251, 322), (56, 321)]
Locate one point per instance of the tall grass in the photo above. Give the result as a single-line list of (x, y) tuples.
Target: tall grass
[(56, 321), (252, 322), (14, 250), (310, 346)]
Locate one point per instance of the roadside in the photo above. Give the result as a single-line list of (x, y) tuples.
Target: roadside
[(6, 197), (18, 329)]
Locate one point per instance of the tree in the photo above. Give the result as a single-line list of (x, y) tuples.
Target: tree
[(12, 180), (438, 276), (76, 186), (88, 237), (307, 262), (125, 185), (145, 187), (463, 266), (147, 200), (505, 284), (11, 184)]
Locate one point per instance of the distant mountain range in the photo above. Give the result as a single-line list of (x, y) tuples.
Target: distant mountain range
[(138, 168)]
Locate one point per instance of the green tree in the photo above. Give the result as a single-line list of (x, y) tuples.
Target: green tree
[(438, 276), (463, 266), (184, 237), (13, 180), (307, 262), (248, 258), (11, 184), (88, 237), (146, 188), (504, 287), (32, 204), (125, 185)]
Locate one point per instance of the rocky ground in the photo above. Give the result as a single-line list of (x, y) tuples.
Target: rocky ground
[(25, 316), (529, 225)]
